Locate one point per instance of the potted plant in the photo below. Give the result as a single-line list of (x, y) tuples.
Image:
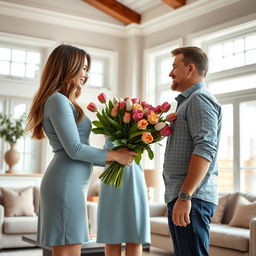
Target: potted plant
[(11, 130)]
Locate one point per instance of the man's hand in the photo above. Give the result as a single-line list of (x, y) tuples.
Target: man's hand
[(180, 212)]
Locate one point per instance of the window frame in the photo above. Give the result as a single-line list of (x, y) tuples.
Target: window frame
[(221, 34)]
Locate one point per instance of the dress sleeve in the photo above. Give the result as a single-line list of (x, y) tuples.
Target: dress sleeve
[(60, 114)]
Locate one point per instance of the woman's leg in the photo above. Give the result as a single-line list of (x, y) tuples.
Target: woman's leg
[(133, 249), (67, 250), (113, 250)]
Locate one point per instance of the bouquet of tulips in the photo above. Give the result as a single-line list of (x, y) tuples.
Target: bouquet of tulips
[(133, 124)]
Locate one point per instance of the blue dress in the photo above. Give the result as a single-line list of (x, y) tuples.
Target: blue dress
[(62, 215), (123, 213)]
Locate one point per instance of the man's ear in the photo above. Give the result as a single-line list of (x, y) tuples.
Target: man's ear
[(191, 68)]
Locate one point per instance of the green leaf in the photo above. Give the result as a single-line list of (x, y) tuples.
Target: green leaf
[(133, 128), (97, 123), (137, 158), (150, 152), (135, 134), (110, 104), (100, 131)]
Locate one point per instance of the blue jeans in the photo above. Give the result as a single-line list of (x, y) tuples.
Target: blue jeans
[(192, 240)]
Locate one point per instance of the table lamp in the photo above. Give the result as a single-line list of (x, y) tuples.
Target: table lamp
[(152, 178)]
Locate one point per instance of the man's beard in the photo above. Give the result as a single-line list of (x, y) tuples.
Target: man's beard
[(174, 86)]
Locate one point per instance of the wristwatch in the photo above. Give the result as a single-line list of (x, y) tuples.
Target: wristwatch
[(184, 196)]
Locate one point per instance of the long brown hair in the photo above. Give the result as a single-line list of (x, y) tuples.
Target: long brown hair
[(63, 64)]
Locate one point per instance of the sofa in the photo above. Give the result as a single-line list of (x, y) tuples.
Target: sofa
[(232, 231), (19, 208), (23, 202)]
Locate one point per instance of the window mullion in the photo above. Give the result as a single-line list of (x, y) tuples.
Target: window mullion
[(236, 151)]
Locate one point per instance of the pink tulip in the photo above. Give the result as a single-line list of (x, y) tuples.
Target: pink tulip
[(102, 98), (122, 104), (114, 112), (171, 117), (144, 104), (127, 117), (92, 107), (158, 109), (135, 100), (165, 107), (166, 131), (126, 98)]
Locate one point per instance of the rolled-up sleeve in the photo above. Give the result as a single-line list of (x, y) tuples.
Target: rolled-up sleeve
[(203, 115)]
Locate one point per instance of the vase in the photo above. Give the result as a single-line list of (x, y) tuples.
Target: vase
[(11, 157)]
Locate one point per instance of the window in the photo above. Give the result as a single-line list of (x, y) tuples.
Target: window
[(159, 64), (28, 149), (233, 53), (232, 60), (98, 73), (19, 63)]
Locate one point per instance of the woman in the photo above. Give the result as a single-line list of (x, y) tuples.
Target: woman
[(123, 213), (55, 113)]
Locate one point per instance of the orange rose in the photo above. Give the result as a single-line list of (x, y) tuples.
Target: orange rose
[(147, 137), (153, 118), (142, 124)]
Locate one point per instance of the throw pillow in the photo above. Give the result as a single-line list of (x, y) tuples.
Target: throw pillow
[(218, 215), (244, 212), (18, 203)]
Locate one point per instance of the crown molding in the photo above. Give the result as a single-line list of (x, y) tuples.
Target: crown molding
[(183, 14), (56, 18), (27, 40), (162, 22)]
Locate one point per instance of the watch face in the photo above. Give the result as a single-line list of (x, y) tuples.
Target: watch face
[(183, 195)]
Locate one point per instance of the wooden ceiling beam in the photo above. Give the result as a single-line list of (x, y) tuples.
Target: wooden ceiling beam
[(116, 10), (175, 3)]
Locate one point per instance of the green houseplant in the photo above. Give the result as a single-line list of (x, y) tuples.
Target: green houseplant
[(11, 130)]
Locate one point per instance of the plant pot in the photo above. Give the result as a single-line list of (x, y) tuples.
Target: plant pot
[(11, 157)]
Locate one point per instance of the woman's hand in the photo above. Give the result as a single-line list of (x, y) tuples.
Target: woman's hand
[(122, 156)]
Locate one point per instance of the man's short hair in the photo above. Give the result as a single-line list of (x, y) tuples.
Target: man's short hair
[(193, 55)]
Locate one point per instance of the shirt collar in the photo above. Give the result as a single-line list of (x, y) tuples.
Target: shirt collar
[(189, 91)]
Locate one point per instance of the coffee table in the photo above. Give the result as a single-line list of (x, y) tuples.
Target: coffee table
[(91, 248)]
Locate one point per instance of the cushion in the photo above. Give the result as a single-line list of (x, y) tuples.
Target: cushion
[(225, 236), (245, 211), (218, 215), (20, 225), (18, 203), (159, 225)]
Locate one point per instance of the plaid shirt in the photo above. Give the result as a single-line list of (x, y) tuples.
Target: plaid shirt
[(195, 131)]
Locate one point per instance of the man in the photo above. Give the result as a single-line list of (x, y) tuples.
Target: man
[(190, 173)]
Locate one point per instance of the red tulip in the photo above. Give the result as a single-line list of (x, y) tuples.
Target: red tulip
[(171, 117), (102, 98), (92, 107), (165, 107), (122, 104), (166, 131)]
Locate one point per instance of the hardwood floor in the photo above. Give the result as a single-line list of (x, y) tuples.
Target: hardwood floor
[(38, 252)]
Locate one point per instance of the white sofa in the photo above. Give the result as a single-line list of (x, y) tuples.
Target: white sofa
[(13, 228), (225, 240)]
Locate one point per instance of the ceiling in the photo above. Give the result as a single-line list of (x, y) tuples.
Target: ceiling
[(147, 9), (131, 11)]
